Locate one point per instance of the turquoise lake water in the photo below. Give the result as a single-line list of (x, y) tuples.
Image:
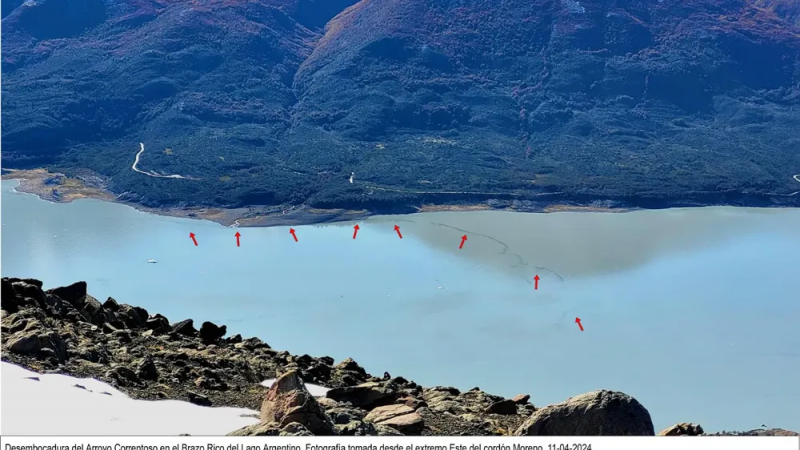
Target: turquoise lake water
[(692, 311)]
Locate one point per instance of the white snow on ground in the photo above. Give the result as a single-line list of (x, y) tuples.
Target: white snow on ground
[(313, 389), (53, 406)]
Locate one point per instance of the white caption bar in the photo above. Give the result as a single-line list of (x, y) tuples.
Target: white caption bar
[(399, 443)]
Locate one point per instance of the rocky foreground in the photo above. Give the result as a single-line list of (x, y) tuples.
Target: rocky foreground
[(66, 330)]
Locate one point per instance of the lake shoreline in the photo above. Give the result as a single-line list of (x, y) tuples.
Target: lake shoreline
[(34, 182), (38, 182)]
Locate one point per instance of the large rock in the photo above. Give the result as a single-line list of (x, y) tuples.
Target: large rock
[(198, 399), (411, 402), (365, 395), (159, 324), (350, 365), (319, 372), (62, 308), (253, 343), (343, 414), (400, 417), (53, 341), (272, 429), (185, 327), (295, 429), (349, 373), (110, 304), (25, 343), (598, 413), (128, 316), (75, 293), (211, 334), (37, 343), (92, 310), (8, 298), (28, 290), (124, 376), (683, 429), (16, 323), (146, 369), (32, 281), (258, 429), (521, 399), (289, 401), (505, 407), (446, 399)]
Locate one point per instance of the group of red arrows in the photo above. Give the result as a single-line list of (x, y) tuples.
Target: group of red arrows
[(294, 235), (397, 229)]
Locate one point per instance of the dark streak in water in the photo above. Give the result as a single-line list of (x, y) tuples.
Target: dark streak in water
[(560, 278), (506, 250)]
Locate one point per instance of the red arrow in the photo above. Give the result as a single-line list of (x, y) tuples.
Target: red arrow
[(578, 321), (237, 238), (191, 235), (396, 228), (536, 282), (355, 231), (291, 231), (463, 238)]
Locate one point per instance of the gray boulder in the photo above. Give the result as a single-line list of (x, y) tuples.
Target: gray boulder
[(366, 395), (683, 429), (258, 429), (598, 413)]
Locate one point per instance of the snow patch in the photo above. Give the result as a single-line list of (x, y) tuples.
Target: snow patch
[(53, 406)]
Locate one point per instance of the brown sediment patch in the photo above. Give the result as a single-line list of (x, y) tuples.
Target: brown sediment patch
[(57, 187), (66, 190), (302, 216), (438, 208), (574, 208), (62, 189)]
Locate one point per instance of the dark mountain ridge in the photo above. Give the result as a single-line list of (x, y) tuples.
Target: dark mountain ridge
[(263, 102)]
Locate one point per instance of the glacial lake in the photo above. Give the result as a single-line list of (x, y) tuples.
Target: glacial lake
[(694, 312)]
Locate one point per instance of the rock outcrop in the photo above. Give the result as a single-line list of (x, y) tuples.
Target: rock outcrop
[(595, 413), (682, 429), (288, 401), (366, 395), (211, 333), (146, 357), (400, 417)]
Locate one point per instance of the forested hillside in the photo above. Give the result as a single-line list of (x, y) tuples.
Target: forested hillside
[(264, 102)]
